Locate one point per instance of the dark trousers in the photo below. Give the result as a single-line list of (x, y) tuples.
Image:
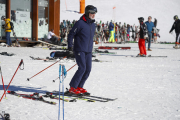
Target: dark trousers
[(177, 35), (54, 39), (84, 62), (149, 41), (8, 38)]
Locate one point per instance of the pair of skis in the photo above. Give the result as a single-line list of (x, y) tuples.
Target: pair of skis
[(90, 98), (34, 96)]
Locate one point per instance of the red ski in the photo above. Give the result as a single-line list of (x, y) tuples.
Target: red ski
[(113, 47)]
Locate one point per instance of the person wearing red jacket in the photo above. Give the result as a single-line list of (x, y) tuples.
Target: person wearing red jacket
[(142, 37)]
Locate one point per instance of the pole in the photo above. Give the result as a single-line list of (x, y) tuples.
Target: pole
[(2, 81), (67, 71), (59, 90), (12, 78), (63, 68), (45, 69)]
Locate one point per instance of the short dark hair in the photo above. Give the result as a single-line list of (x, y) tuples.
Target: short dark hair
[(52, 30), (150, 17)]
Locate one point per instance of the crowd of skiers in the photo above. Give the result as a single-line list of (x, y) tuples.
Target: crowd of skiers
[(112, 31)]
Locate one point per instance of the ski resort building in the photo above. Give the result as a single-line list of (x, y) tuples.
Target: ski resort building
[(32, 19)]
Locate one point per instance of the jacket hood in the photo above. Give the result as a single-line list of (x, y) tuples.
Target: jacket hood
[(84, 18)]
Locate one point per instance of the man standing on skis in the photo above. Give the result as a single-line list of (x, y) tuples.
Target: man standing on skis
[(176, 26), (150, 26), (143, 36), (83, 33)]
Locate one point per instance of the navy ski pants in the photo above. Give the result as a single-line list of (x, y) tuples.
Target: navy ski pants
[(84, 62)]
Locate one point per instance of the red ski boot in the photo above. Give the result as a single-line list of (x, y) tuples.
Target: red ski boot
[(74, 91), (83, 91)]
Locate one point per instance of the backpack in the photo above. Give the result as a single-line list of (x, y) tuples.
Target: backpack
[(12, 25)]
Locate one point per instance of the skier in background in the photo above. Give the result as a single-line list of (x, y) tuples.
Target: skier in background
[(128, 31), (176, 26), (150, 26), (111, 32), (83, 33), (143, 36), (8, 30)]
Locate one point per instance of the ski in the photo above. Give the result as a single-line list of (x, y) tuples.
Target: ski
[(73, 99), (63, 48), (103, 52), (96, 60), (37, 58), (7, 54), (176, 47), (79, 97), (34, 96), (155, 56), (148, 56), (96, 98), (113, 47)]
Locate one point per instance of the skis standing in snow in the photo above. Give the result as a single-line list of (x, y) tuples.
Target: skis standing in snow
[(82, 32), (176, 26)]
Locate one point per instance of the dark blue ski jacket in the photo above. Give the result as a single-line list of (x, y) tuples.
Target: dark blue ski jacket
[(111, 26), (83, 33)]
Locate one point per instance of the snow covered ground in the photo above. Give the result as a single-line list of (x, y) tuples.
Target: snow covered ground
[(146, 88), (128, 11)]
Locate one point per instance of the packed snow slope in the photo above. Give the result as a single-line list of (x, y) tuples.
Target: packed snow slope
[(146, 88), (127, 11)]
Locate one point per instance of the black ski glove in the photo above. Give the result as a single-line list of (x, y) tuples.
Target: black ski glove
[(70, 49), (70, 53)]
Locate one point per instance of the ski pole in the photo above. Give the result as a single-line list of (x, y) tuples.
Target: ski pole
[(59, 90), (13, 77), (67, 71), (2, 81), (63, 71), (45, 69)]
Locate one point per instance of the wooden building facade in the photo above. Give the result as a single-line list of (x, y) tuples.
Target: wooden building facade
[(32, 19)]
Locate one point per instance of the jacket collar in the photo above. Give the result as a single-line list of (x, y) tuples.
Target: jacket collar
[(87, 20)]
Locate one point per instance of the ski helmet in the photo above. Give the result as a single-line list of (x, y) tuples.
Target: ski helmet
[(176, 17), (90, 9), (3, 17), (141, 19)]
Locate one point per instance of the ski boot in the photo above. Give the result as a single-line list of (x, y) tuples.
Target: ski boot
[(83, 91), (75, 91)]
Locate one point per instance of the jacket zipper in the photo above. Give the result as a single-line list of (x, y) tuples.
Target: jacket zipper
[(90, 36)]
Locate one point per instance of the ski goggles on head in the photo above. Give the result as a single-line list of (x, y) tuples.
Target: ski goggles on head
[(94, 11)]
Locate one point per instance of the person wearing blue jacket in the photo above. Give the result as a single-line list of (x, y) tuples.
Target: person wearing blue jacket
[(150, 26), (83, 33), (111, 31)]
